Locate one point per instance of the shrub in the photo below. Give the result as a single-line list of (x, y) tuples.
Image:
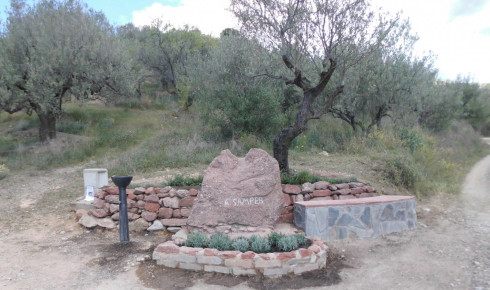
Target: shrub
[(260, 245), (411, 140), (241, 244), (287, 244), (220, 241), (180, 180), (304, 177), (274, 237), (301, 239), (401, 173), (70, 127), (197, 240)]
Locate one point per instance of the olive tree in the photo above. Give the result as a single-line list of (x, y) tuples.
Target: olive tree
[(318, 42), (54, 49)]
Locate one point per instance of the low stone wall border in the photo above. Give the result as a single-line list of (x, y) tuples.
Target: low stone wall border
[(277, 264)]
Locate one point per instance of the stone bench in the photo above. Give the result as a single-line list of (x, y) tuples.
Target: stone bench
[(359, 218)]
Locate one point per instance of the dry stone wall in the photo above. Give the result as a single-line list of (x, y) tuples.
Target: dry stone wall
[(155, 208)]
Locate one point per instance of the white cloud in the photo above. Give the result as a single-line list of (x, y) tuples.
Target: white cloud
[(210, 16), (459, 43)]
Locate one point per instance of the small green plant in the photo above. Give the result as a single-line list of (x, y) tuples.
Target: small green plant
[(220, 241), (197, 240), (4, 170), (304, 177), (253, 238), (411, 140), (260, 245), (274, 237), (241, 244), (288, 244), (70, 127), (301, 239), (180, 180)]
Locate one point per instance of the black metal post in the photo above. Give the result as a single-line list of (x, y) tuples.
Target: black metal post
[(122, 182)]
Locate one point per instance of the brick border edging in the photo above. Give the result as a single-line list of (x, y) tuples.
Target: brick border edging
[(277, 264)]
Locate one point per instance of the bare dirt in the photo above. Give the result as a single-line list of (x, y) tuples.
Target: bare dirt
[(43, 247)]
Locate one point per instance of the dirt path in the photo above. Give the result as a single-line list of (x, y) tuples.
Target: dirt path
[(46, 249)]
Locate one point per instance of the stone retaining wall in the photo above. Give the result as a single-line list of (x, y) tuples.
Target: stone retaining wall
[(157, 208), (296, 262), (361, 218)]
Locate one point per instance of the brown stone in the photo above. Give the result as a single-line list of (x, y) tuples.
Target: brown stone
[(193, 192), (139, 190), (332, 187), (112, 199), (131, 196), (239, 191), (357, 190), (163, 195), (369, 189), (342, 191), (134, 210), (320, 185), (165, 213), (176, 213), (100, 193), (150, 190), (185, 212), (166, 189), (287, 199), (321, 193), (140, 197), (115, 217), (335, 197), (112, 190), (80, 212), (113, 208), (140, 204), (287, 209), (100, 213), (355, 184), (186, 202), (286, 256), (153, 207), (291, 189), (152, 198), (247, 255), (133, 216), (98, 203), (174, 222), (323, 198), (149, 216)]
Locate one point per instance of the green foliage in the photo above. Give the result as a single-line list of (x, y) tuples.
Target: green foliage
[(301, 239), (220, 241), (411, 139), (70, 127), (401, 172), (274, 237), (287, 244), (260, 245), (241, 244), (180, 180), (197, 240), (305, 176)]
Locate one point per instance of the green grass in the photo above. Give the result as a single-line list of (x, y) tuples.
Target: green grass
[(305, 176)]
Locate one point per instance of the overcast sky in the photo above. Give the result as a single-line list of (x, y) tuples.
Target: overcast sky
[(457, 31)]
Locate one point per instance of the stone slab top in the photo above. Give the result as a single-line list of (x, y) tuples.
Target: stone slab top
[(356, 201), (95, 170)]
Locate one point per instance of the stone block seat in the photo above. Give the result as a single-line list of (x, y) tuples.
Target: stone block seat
[(359, 218)]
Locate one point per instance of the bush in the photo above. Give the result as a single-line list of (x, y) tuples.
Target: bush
[(301, 239), (288, 244), (220, 241), (197, 240), (304, 177), (180, 180), (401, 173), (241, 244), (274, 237), (411, 140), (260, 245), (70, 127)]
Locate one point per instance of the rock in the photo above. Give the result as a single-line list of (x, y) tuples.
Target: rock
[(172, 202), (98, 203), (174, 222), (320, 185), (80, 212), (181, 193), (185, 212), (112, 199), (139, 225), (166, 189), (149, 216), (355, 184), (322, 193), (152, 198), (239, 191), (133, 216), (153, 207), (172, 192), (180, 237), (176, 213), (307, 187), (300, 197), (139, 190), (115, 217), (156, 226), (107, 223), (173, 229), (186, 202), (150, 191), (88, 221), (113, 208), (291, 189), (112, 190), (348, 196), (342, 186), (99, 213), (140, 204), (165, 213), (342, 191), (287, 199), (193, 192)]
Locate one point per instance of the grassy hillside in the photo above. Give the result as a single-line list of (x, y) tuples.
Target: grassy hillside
[(134, 140)]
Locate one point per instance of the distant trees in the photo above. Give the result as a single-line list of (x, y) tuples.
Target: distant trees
[(318, 42), (56, 49)]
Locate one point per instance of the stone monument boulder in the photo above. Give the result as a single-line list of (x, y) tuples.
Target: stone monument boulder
[(238, 192)]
